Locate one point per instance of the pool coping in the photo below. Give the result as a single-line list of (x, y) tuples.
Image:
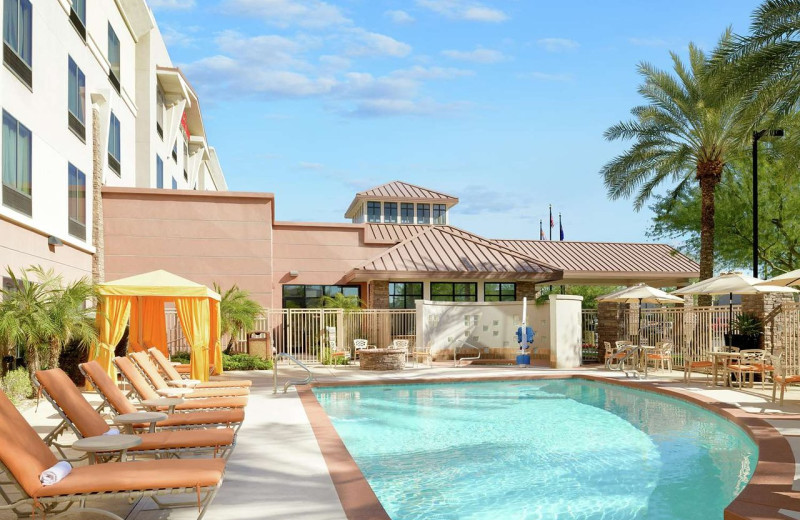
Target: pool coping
[(768, 492)]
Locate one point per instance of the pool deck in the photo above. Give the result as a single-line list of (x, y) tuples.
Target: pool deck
[(278, 470)]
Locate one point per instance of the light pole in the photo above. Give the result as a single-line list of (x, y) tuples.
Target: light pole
[(756, 136)]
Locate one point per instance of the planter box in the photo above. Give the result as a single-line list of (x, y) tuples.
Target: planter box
[(743, 341)]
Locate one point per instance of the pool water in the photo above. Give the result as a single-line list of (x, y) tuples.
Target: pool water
[(546, 449)]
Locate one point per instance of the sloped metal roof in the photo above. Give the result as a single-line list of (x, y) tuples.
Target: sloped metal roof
[(441, 251), (399, 190)]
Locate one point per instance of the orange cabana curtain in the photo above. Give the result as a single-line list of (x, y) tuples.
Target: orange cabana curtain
[(216, 345), (112, 317), (147, 315), (194, 315)]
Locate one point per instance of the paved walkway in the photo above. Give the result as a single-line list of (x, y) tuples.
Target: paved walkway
[(277, 470)]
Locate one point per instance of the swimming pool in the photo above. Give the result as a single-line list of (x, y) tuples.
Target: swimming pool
[(539, 449)]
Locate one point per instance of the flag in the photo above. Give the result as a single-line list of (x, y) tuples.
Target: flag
[(552, 224), (541, 230), (561, 229)]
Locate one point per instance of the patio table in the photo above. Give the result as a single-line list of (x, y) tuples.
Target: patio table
[(723, 359), (127, 420), (105, 444)]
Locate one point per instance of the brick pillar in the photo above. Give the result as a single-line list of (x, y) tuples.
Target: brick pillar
[(526, 290), (378, 294), (610, 324), (762, 306)]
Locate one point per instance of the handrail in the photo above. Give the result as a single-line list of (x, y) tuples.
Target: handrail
[(457, 362), (290, 382), (632, 353)]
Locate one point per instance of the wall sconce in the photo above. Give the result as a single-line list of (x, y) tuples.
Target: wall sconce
[(294, 274), (54, 241)]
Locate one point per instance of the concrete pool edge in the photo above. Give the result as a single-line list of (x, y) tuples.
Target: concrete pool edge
[(768, 491)]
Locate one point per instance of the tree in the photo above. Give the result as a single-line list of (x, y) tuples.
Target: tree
[(590, 293), (340, 301), (685, 132), (238, 312)]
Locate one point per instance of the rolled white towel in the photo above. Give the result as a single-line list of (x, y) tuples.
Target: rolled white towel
[(54, 474), (112, 431)]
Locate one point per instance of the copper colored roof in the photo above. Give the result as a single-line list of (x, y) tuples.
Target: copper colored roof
[(398, 190), (618, 263), (442, 252)]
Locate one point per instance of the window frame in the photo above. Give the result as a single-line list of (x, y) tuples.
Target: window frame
[(407, 210), (15, 57), (114, 145), (174, 183), (501, 295), (161, 104), (302, 302), (76, 122), (374, 218), (13, 196), (439, 214), (76, 227), (114, 77), (77, 15), (408, 298), (390, 212), (159, 172), (423, 213), (452, 295)]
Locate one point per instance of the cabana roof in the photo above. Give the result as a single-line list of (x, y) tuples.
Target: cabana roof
[(156, 283)]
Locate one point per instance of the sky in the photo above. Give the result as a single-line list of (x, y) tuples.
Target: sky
[(502, 103)]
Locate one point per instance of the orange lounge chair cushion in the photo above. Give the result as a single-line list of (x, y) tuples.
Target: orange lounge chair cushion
[(242, 383), (218, 392), (151, 371), (135, 476), (63, 391), (176, 439), (215, 402), (166, 367), (221, 416)]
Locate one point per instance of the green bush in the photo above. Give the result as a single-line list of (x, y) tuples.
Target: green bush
[(181, 357), (233, 361), (326, 359), (17, 385)]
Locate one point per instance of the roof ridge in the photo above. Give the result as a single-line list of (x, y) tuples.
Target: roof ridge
[(407, 184), (582, 242)]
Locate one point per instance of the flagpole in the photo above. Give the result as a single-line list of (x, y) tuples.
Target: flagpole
[(551, 222)]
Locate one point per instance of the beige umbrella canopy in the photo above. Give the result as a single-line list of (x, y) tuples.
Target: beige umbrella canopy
[(640, 293), (784, 280)]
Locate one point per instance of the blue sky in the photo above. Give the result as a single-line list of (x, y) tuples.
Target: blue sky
[(502, 103)]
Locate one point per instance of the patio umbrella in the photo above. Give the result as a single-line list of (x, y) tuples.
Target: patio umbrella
[(640, 293), (730, 284), (784, 280)]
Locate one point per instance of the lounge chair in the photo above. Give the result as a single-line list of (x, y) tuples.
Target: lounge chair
[(174, 377), (77, 414), (24, 456), (780, 377), (746, 364), (661, 357), (150, 371), (691, 364), (116, 400), (144, 392)]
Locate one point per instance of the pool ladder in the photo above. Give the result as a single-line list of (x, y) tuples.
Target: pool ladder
[(289, 383), (457, 362), (631, 355)]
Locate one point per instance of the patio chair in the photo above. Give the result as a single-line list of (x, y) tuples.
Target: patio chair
[(174, 376), (745, 365), (616, 355), (336, 353), (144, 392), (402, 344), (79, 416), (116, 400), (662, 356), (425, 354), (360, 344), (780, 376), (143, 362), (24, 456), (692, 364)]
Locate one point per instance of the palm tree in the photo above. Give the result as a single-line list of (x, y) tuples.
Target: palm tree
[(765, 63), (686, 131), (340, 301), (238, 312)]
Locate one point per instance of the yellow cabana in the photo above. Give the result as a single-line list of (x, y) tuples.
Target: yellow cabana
[(140, 299)]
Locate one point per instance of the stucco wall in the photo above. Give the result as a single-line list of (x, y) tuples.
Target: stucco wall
[(223, 237), (20, 248)]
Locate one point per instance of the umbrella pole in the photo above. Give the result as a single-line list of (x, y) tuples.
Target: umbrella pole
[(640, 322), (730, 315)]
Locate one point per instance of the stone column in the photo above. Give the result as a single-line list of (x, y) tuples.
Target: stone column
[(762, 307), (526, 290), (379, 294), (610, 324)]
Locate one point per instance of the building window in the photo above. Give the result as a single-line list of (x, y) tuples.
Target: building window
[(17, 157), (454, 292), (390, 212), (423, 213), (406, 213), (77, 202), (160, 107), (175, 151), (159, 172), (17, 35), (8, 286), (499, 292), (309, 296), (439, 214), (373, 211), (174, 183), (114, 58), (403, 295), (77, 15), (75, 104), (114, 147), (185, 161)]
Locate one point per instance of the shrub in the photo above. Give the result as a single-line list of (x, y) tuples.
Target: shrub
[(326, 359), (17, 385), (245, 362), (181, 357)]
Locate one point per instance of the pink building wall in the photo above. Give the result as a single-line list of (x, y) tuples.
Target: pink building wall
[(21, 247), (223, 237)]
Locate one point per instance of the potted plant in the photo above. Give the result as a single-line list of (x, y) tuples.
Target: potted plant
[(746, 332)]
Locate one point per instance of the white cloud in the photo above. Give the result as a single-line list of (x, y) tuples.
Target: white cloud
[(544, 76), (265, 49), (175, 38), (403, 107), (464, 10), (648, 42), (283, 13), (171, 4), (418, 72), (399, 17), (333, 63), (303, 165), (558, 44), (479, 55), (373, 44)]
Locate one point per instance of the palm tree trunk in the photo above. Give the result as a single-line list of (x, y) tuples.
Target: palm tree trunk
[(32, 361), (55, 354), (708, 175)]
